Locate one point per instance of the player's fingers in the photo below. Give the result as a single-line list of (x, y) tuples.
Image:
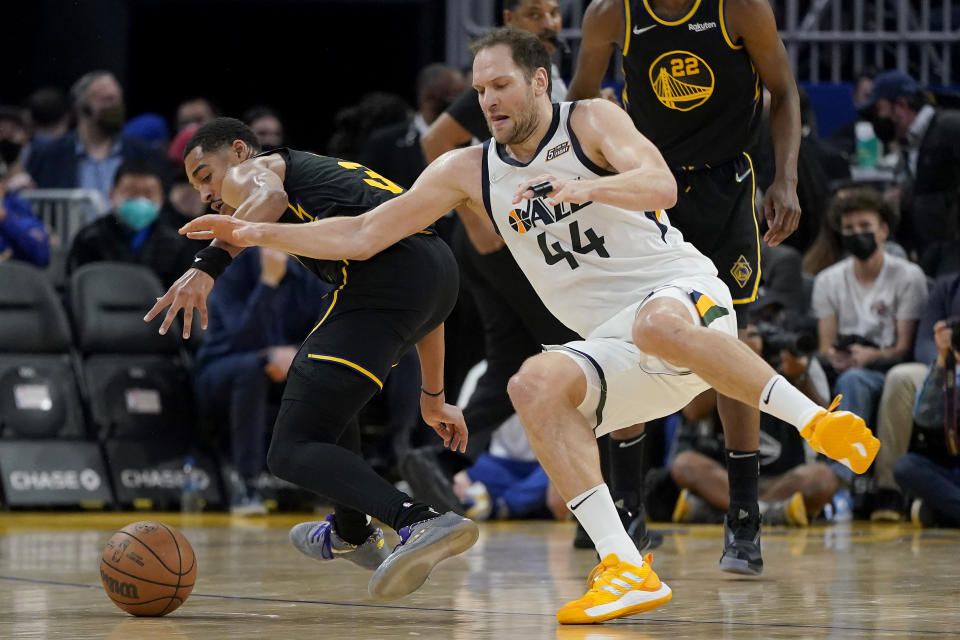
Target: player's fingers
[(200, 223), (170, 317), (187, 320), (202, 307), (200, 235), (157, 307)]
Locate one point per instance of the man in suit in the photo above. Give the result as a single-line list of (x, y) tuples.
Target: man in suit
[(88, 156)]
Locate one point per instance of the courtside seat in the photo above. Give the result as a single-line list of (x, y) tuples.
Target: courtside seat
[(39, 396), (137, 381)]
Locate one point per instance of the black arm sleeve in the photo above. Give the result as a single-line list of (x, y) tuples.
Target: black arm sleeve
[(467, 112)]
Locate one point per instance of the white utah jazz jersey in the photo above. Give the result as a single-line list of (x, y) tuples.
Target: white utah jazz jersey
[(586, 261)]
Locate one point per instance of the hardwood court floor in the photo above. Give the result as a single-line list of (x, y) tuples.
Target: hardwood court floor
[(840, 581)]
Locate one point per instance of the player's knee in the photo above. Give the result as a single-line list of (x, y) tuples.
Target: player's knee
[(535, 386), (661, 334), (528, 386), (278, 462)]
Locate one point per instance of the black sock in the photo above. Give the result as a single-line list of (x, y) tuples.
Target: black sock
[(351, 525), (627, 472), (743, 470), (410, 511)]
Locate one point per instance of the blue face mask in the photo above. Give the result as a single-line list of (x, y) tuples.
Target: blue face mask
[(138, 213)]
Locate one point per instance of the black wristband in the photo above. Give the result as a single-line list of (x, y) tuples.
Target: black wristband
[(432, 395), (212, 261)]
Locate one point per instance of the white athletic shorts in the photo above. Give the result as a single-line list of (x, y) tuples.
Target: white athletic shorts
[(626, 386)]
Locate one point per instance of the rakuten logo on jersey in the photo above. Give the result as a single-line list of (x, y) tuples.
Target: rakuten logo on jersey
[(160, 478), (57, 480)]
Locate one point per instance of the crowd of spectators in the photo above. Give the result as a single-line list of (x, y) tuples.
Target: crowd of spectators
[(864, 301)]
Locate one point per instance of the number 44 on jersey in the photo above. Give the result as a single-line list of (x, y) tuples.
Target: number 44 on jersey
[(538, 214)]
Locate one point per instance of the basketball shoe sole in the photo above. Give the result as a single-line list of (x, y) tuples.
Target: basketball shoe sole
[(422, 546)]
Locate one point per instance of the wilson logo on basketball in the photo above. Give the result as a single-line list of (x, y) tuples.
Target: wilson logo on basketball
[(681, 80), (125, 589), (558, 150)]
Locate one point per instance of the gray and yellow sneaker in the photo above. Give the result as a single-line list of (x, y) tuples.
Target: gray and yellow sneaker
[(320, 541), (422, 545)]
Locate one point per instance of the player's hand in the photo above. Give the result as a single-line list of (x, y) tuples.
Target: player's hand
[(188, 293), (781, 210), (239, 233), (447, 420), (573, 191)]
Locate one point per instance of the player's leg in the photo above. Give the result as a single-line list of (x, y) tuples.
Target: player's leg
[(627, 469), (547, 393), (665, 328), (730, 194)]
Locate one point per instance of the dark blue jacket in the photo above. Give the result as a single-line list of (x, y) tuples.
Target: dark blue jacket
[(23, 233), (53, 165)]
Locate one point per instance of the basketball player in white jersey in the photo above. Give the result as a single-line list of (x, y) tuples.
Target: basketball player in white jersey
[(603, 257)]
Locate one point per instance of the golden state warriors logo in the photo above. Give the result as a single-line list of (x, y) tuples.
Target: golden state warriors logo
[(741, 271), (681, 80)]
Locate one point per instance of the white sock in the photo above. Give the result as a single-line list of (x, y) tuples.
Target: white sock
[(595, 510), (782, 400)]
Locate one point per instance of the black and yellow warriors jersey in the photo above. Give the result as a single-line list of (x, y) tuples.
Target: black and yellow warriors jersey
[(689, 89), (321, 187)]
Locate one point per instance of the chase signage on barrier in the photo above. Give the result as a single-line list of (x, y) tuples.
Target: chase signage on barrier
[(41, 473), (153, 475)]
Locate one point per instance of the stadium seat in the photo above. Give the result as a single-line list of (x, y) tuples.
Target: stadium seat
[(39, 397), (137, 380)]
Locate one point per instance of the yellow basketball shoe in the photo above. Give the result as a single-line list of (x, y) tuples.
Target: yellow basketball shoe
[(618, 589), (842, 436)]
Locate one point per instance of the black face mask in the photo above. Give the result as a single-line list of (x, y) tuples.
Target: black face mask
[(9, 151), (885, 130), (111, 119), (860, 245)]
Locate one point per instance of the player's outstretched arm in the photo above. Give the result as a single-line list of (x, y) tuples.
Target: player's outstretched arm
[(603, 30), (642, 180), (250, 191), (438, 190)]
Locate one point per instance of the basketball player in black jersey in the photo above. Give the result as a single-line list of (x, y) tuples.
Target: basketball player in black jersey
[(693, 70), (384, 305)]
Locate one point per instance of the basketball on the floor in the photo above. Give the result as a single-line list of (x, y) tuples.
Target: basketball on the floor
[(148, 568)]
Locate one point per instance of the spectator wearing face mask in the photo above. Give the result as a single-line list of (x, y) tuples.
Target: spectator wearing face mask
[(867, 305), (131, 233), (88, 156), (928, 173)]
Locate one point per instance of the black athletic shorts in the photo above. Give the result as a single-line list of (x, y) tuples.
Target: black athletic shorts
[(387, 304), (715, 211)]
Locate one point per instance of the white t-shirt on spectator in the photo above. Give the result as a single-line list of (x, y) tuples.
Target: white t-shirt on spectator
[(898, 293)]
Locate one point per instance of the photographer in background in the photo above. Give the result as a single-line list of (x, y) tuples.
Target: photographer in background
[(792, 490), (867, 305), (932, 474)]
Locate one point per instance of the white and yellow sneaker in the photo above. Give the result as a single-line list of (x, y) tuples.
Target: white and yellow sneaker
[(617, 590), (842, 436)]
